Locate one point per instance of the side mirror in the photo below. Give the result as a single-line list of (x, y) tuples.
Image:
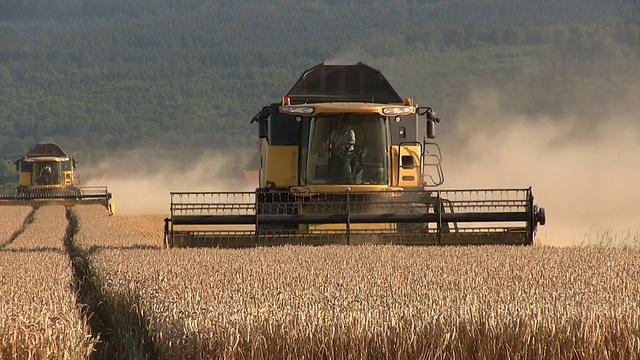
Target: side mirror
[(263, 129), (431, 129)]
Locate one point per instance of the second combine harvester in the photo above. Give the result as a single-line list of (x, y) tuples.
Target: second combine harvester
[(345, 159), (46, 176)]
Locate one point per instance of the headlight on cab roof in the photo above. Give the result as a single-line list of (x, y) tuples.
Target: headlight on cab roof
[(297, 110), (398, 110)]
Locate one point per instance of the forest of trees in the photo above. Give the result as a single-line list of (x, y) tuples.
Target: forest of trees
[(103, 76)]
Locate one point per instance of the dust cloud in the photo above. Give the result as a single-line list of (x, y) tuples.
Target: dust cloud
[(583, 169), (141, 180), (584, 172)]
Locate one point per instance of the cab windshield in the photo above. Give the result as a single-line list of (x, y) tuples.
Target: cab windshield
[(346, 149), (47, 173)]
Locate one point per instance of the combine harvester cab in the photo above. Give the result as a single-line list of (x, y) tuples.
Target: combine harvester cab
[(346, 160), (46, 176)]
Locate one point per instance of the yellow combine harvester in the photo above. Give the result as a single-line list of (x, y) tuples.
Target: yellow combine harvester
[(345, 159), (46, 176)]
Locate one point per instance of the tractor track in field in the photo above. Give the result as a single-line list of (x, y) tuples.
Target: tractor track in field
[(122, 335), (27, 221)]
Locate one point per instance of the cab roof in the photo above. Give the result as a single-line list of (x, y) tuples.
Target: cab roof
[(45, 150), (343, 83)]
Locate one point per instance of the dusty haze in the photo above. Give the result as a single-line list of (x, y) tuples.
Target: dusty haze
[(584, 172), (587, 183), (144, 186), (586, 179)]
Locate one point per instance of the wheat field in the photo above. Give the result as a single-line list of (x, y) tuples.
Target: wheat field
[(339, 302), (39, 315), (13, 219)]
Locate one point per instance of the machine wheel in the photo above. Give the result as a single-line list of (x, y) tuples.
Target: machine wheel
[(541, 216)]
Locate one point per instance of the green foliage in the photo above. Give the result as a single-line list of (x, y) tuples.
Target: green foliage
[(101, 76), (8, 175)]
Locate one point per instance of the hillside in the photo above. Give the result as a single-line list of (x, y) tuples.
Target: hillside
[(103, 76)]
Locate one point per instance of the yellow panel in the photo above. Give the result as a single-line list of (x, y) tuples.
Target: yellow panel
[(68, 177), (54, 186), (25, 178), (394, 165), (341, 188), (281, 165), (351, 107), (408, 177)]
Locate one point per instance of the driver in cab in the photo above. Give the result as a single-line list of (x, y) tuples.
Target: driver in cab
[(341, 142), (46, 175)]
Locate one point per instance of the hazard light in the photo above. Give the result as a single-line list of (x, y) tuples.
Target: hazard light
[(398, 110), (297, 110)]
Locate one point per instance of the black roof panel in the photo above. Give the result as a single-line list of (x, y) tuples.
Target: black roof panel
[(327, 83), (39, 150)]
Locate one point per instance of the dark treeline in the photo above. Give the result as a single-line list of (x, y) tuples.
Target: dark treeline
[(101, 76), (387, 14)]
